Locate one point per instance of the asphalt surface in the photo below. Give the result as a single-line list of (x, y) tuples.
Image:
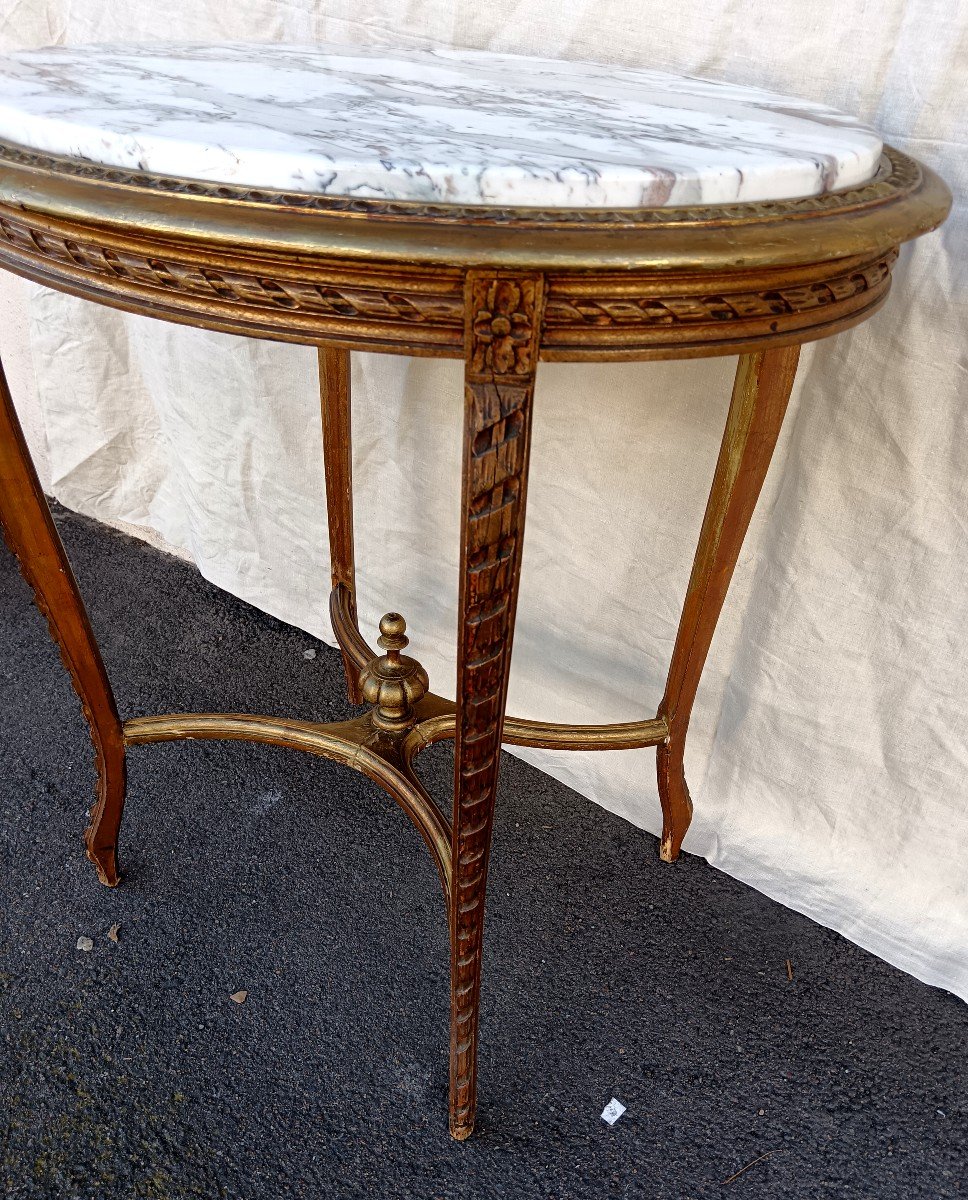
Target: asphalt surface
[(128, 1072)]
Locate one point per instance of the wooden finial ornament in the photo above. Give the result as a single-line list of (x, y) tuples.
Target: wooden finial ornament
[(393, 683)]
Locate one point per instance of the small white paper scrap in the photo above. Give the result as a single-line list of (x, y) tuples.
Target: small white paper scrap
[(309, 654), (612, 1111), (85, 944)]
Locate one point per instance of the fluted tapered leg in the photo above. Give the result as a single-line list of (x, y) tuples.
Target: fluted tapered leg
[(760, 396), (30, 533), (504, 314)]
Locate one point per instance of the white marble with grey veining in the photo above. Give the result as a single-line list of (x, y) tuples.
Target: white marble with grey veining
[(436, 125)]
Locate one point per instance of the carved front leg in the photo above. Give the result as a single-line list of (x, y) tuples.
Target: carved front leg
[(759, 401), (30, 533), (503, 314)]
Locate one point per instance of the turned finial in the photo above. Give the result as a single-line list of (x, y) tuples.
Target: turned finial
[(393, 635), (393, 683)]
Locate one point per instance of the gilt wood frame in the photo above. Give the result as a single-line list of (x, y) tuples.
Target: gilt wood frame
[(503, 289)]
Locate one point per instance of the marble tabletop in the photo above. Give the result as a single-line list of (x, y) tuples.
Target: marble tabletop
[(455, 126)]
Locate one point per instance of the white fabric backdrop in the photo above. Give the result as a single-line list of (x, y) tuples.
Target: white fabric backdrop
[(828, 756)]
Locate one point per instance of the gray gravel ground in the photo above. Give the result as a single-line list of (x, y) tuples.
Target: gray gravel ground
[(128, 1072)]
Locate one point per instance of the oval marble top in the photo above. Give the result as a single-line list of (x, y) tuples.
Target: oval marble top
[(453, 126)]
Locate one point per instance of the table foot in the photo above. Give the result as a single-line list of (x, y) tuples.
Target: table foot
[(461, 1132), (675, 800), (101, 835), (105, 860)]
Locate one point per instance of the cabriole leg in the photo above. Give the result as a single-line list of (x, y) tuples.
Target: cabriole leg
[(503, 327), (30, 533), (759, 401), (334, 392)]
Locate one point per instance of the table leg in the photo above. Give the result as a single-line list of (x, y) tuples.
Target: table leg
[(30, 533), (334, 389), (503, 328), (760, 395)]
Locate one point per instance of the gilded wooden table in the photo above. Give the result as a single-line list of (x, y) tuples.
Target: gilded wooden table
[(498, 210)]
